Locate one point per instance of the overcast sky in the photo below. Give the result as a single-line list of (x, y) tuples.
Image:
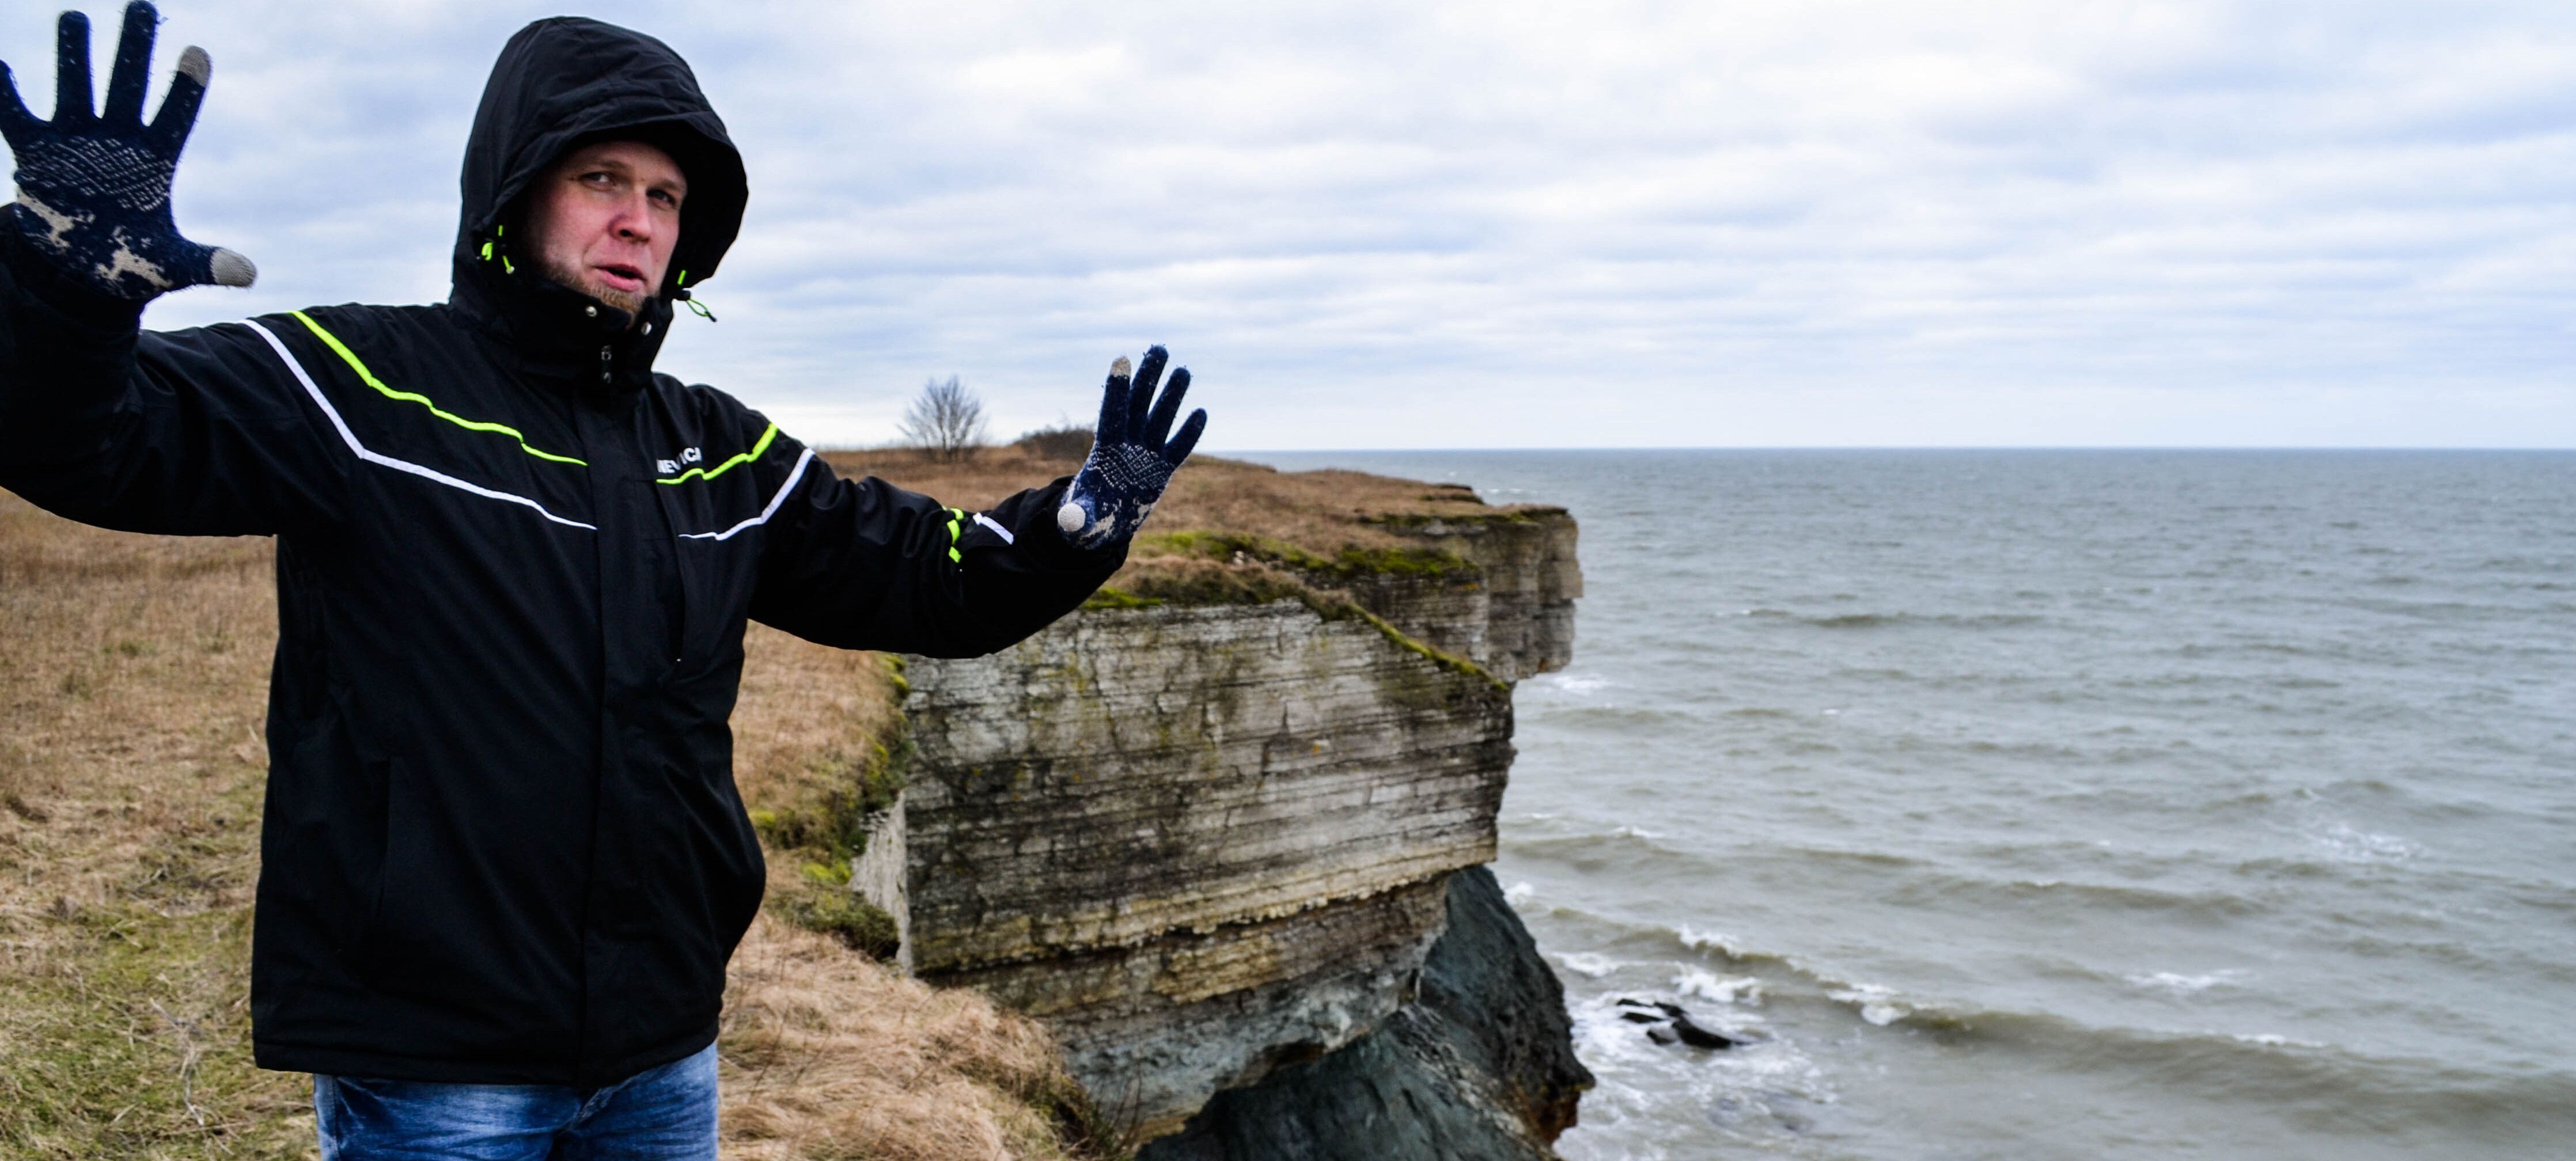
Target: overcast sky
[(1503, 224)]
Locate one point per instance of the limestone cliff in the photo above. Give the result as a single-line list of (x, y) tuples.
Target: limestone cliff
[(1206, 829), (1196, 841), (1513, 613)]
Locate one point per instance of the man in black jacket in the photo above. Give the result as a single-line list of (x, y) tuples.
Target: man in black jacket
[(502, 845)]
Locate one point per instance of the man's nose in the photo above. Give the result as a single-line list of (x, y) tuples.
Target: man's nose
[(635, 219)]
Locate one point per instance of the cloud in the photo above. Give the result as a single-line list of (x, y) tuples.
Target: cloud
[(1523, 224)]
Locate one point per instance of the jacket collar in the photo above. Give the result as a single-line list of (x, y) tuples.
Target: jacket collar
[(557, 332)]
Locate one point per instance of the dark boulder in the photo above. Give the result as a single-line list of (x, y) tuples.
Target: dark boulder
[(1480, 1067), (1698, 1037)]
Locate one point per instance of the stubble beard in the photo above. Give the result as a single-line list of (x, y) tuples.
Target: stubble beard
[(576, 278)]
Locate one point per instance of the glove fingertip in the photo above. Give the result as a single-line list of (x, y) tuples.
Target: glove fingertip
[(1113, 409), (72, 84), (132, 71), (1140, 401), (229, 268), (1158, 424), (178, 115), (1187, 440)]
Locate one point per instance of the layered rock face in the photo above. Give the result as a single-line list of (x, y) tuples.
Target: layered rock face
[(1206, 843), (1480, 1067), (1197, 841), (1513, 613)]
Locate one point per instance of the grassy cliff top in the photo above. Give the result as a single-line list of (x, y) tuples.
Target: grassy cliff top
[(1320, 512), (1230, 531)]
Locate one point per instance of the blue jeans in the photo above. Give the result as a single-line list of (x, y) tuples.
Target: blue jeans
[(660, 1114)]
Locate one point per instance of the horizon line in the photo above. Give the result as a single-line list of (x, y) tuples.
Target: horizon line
[(2315, 448)]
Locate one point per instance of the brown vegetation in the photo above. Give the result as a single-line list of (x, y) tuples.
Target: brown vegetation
[(1322, 512), (133, 674), (1227, 531)]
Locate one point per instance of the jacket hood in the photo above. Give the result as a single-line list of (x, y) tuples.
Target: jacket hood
[(567, 81)]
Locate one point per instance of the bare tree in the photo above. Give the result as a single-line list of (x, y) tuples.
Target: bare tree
[(946, 418)]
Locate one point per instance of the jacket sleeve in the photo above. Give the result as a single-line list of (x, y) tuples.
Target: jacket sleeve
[(192, 432), (863, 564)]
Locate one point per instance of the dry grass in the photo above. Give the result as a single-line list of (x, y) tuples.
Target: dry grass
[(1227, 531), (830, 1055), (1322, 512), (133, 671)]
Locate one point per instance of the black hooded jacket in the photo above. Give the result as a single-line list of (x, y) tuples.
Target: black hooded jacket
[(502, 842)]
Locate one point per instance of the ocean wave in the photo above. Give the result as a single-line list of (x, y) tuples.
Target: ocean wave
[(2347, 843), (2301, 1075), (1970, 621), (1572, 682), (2182, 985), (2330, 1087), (2080, 898), (1588, 963), (1878, 1004), (1716, 941), (1621, 719), (1761, 1093), (1709, 985)]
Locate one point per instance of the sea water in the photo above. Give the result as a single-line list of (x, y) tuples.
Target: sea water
[(2033, 804)]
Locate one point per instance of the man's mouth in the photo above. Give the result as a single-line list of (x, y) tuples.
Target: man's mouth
[(622, 277)]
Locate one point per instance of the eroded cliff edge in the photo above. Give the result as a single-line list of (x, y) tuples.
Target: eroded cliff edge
[(1212, 828)]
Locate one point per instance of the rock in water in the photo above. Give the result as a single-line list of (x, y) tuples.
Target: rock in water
[(1698, 1037)]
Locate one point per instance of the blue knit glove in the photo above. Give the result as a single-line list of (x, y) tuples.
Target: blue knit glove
[(94, 190), (1130, 461)]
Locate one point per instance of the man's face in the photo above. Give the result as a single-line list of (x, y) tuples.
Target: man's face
[(605, 220)]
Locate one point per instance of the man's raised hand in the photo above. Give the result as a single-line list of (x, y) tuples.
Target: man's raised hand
[(1131, 458), (94, 188)]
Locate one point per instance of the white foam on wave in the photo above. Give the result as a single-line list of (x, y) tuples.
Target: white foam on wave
[(1587, 963), (1879, 1005), (2272, 1040), (1574, 682), (1752, 1094), (1723, 989), (1716, 941), (2350, 844), (1518, 893), (2183, 985), (1637, 832)]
